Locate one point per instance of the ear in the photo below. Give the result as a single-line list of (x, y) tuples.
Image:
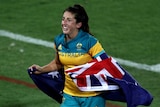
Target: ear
[(79, 25)]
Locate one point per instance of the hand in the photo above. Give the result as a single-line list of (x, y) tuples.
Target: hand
[(36, 69)]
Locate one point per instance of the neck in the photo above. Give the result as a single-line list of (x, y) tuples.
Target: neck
[(71, 36), (68, 38)]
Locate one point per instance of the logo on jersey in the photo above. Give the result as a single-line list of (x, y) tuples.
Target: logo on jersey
[(79, 46), (60, 47)]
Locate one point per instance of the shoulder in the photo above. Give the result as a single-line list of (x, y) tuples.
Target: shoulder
[(90, 39), (59, 38)]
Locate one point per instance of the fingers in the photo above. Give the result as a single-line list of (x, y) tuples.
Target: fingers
[(34, 69)]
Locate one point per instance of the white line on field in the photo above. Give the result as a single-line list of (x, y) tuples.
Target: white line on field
[(25, 38), (4, 33)]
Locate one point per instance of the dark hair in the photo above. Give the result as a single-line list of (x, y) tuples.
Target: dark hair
[(80, 16)]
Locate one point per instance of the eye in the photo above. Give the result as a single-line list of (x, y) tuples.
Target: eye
[(69, 20)]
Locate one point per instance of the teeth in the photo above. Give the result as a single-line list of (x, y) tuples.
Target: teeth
[(65, 28)]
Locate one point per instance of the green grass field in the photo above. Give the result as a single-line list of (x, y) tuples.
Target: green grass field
[(127, 29)]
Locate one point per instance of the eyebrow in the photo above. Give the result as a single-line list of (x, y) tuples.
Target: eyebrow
[(68, 17)]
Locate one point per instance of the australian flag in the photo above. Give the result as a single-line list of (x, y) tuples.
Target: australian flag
[(51, 83), (106, 75)]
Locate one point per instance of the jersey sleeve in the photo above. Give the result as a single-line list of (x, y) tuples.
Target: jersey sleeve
[(96, 50)]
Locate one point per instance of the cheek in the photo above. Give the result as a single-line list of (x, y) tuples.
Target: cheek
[(62, 22)]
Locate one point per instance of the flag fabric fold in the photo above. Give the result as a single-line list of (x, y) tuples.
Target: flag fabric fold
[(92, 76), (51, 83), (108, 75), (105, 75)]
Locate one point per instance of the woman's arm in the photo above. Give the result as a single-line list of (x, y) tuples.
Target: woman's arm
[(54, 65)]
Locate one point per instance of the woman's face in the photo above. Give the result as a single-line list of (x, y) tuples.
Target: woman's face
[(69, 25)]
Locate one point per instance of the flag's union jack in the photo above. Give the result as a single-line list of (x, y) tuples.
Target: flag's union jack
[(93, 76)]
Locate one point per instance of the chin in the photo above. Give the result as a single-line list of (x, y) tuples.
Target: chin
[(65, 32)]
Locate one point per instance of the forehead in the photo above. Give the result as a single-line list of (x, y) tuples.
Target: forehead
[(68, 14)]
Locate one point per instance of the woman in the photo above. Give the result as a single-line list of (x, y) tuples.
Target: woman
[(75, 46)]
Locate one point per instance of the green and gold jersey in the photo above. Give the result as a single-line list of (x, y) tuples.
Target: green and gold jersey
[(82, 49)]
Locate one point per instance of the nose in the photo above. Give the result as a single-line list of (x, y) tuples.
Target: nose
[(64, 21)]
